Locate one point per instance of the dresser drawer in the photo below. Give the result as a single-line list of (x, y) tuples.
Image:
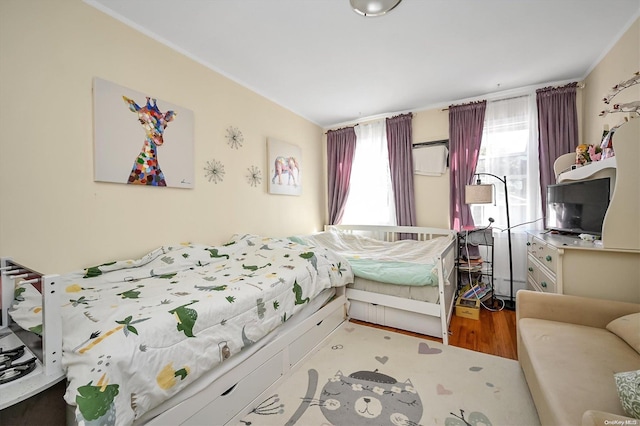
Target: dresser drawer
[(532, 285), (546, 254), (532, 268), (538, 277), (546, 282)]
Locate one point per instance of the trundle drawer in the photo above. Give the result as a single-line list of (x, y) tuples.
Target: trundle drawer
[(227, 405), (397, 318), (305, 343)]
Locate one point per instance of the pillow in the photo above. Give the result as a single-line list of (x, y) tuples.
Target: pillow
[(628, 329), (628, 385)]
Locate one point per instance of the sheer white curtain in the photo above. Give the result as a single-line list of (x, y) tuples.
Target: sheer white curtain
[(370, 200), (510, 148)]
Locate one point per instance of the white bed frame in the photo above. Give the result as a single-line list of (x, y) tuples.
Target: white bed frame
[(230, 397), (427, 318), (225, 401), (48, 350)]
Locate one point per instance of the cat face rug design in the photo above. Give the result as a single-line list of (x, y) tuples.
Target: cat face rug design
[(370, 398)]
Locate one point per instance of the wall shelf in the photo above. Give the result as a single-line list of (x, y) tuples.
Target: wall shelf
[(588, 170)]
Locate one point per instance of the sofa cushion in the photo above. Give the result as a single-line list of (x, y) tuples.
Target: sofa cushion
[(569, 368), (628, 384), (628, 329)]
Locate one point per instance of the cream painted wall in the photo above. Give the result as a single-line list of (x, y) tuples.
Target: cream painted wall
[(431, 192), (54, 217), (618, 65), (621, 228)]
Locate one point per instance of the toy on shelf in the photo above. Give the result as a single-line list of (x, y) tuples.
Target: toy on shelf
[(588, 153), (595, 153)]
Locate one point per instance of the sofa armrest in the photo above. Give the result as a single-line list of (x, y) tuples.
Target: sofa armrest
[(602, 418), (571, 309)]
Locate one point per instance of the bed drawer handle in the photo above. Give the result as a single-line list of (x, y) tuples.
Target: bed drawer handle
[(228, 391)]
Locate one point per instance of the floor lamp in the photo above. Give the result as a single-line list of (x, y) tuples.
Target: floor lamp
[(483, 194)]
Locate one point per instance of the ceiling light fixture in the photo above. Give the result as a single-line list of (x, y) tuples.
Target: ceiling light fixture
[(373, 7)]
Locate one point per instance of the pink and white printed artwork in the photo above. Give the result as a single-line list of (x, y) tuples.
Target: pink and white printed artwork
[(285, 169)]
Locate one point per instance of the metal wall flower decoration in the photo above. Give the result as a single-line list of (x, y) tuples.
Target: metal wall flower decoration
[(234, 137), (254, 176), (214, 171)]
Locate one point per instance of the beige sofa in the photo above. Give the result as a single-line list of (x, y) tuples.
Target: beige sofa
[(569, 356)]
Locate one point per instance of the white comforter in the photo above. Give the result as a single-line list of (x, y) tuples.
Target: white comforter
[(403, 262), (137, 332), (356, 246)]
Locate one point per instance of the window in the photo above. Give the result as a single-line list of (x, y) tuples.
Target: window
[(370, 200), (509, 148)]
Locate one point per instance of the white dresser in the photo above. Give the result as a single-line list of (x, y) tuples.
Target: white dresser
[(608, 269), (568, 265)]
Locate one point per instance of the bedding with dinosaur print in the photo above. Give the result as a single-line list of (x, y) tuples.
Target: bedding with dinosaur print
[(136, 332)]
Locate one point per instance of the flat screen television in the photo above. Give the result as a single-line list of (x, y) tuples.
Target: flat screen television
[(578, 207)]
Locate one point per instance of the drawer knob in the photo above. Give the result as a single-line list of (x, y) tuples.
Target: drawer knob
[(528, 243), (548, 258), (543, 284), (530, 269)]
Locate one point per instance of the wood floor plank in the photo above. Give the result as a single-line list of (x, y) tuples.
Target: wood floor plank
[(494, 333)]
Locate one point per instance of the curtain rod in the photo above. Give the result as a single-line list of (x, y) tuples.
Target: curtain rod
[(341, 128), (580, 85), (365, 121)]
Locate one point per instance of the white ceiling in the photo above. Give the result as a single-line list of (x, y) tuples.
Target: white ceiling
[(332, 66)]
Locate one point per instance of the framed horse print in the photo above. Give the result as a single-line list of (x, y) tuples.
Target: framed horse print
[(285, 168)]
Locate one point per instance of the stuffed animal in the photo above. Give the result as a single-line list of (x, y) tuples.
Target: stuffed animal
[(582, 154), (595, 152), (587, 153)]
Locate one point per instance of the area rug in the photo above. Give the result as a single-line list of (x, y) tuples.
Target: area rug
[(367, 376)]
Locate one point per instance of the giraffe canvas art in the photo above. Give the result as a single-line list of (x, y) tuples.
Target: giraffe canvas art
[(167, 138), (146, 170)]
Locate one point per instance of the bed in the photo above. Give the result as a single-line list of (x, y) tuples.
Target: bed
[(187, 334), (408, 284)]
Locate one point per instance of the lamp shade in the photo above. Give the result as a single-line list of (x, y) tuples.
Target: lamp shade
[(478, 194), (373, 7)]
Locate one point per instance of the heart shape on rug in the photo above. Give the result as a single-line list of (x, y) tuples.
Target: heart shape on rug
[(424, 349), (349, 329), (382, 359), (440, 390)]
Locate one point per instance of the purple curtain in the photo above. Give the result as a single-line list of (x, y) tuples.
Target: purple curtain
[(466, 123), (557, 128), (400, 146), (341, 147)]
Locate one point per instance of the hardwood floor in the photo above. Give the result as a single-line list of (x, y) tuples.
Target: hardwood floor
[(494, 333)]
